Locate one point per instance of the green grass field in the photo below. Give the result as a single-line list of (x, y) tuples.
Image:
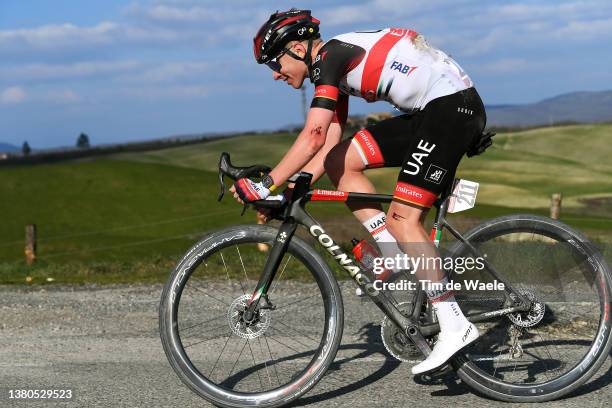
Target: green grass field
[(130, 216)]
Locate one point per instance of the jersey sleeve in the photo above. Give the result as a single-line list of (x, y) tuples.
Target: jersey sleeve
[(334, 60)]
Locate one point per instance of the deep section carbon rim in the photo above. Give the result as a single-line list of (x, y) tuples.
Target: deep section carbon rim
[(269, 359), (552, 347)]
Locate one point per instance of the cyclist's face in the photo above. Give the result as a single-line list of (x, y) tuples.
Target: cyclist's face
[(292, 71)]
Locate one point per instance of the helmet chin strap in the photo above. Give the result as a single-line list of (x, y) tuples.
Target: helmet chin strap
[(307, 58)]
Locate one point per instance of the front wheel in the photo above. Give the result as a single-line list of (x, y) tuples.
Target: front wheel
[(280, 353), (560, 342)]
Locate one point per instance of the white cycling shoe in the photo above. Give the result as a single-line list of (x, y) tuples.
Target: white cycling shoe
[(447, 345)]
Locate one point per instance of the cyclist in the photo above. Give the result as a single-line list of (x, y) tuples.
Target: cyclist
[(443, 119)]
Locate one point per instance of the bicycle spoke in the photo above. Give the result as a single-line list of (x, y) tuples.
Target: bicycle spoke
[(272, 357), (298, 332), (238, 358), (220, 354), (296, 340), (283, 344), (200, 324), (255, 364), (280, 276), (205, 340), (209, 295), (296, 302), (227, 272), (243, 268), (253, 354)]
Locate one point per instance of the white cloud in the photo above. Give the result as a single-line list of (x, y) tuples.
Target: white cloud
[(383, 12), (162, 12), (58, 36), (69, 36), (13, 95), (85, 69), (586, 30)]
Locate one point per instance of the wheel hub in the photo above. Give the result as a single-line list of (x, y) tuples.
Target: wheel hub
[(252, 329), (531, 317)]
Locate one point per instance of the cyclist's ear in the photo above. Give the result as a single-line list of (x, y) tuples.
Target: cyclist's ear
[(299, 49)]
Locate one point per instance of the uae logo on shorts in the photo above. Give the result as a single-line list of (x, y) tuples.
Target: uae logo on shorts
[(435, 174)]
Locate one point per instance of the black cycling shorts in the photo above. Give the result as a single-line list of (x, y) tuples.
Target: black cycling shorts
[(428, 144)]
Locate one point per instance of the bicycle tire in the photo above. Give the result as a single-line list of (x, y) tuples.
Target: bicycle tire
[(599, 351), (296, 386)]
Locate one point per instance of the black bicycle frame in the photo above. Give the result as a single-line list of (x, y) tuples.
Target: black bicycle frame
[(295, 213)]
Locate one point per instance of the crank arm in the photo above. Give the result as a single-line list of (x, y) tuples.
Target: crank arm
[(417, 338)]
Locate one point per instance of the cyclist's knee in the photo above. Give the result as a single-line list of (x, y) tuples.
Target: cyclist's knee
[(405, 222)]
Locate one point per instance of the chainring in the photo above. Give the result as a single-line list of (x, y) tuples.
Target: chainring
[(531, 317), (247, 330), (397, 343)]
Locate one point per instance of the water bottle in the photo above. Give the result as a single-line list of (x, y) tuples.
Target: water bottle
[(365, 254)]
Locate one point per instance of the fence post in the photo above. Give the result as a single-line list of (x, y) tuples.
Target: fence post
[(30, 248), (555, 206)]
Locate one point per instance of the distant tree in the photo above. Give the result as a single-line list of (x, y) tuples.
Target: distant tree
[(83, 141), (25, 149)]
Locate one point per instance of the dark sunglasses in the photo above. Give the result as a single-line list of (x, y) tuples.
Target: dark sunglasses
[(276, 66), (273, 64)]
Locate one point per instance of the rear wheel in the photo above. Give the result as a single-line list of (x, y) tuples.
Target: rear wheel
[(275, 357), (557, 345)]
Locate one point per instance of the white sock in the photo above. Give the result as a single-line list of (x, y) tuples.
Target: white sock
[(386, 243), (447, 310)]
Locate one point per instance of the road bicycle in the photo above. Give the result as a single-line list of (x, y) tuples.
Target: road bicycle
[(253, 315)]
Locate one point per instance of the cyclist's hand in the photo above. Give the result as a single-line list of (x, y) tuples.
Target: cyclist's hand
[(249, 191)]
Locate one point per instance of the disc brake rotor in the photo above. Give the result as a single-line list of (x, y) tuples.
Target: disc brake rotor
[(247, 330), (531, 317)]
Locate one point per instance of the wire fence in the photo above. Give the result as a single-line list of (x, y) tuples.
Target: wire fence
[(122, 228), (174, 237)]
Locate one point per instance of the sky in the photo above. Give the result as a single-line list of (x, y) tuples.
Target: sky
[(134, 70)]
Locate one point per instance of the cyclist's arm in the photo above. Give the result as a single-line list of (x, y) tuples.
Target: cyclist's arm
[(308, 143), (334, 135)]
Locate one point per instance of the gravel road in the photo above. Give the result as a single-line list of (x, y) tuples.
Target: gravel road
[(103, 343)]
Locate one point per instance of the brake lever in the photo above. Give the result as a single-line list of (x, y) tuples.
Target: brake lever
[(221, 186), (244, 209)]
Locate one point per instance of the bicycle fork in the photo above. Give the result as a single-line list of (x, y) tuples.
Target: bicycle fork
[(281, 242)]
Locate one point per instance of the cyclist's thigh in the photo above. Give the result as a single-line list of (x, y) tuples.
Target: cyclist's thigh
[(385, 143), (343, 157), (448, 126)]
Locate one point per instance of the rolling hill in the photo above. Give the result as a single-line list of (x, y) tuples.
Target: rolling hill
[(522, 169), (140, 211), (578, 107), (8, 148)]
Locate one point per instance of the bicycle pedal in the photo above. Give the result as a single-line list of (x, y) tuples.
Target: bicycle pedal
[(439, 372)]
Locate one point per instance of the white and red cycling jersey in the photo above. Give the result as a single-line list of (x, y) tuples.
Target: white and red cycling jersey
[(394, 64)]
